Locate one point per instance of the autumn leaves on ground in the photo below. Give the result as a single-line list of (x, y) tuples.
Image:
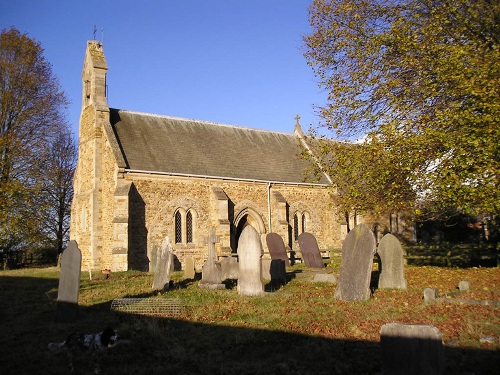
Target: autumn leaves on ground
[(296, 329)]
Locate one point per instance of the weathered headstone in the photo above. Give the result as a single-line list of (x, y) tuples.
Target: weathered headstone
[(249, 253), (230, 268), (276, 247), (392, 273), (464, 285), (211, 273), (411, 349), (164, 265), (69, 284), (310, 251), (189, 271), (356, 266), (265, 268), (430, 295)]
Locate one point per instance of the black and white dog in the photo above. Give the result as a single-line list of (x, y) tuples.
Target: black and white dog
[(91, 343)]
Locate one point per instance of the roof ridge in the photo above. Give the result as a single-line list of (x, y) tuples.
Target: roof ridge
[(202, 122)]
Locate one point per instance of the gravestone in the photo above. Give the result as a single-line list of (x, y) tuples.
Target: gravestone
[(250, 266), (277, 248), (310, 251), (230, 268), (69, 284), (265, 268), (464, 285), (356, 266), (211, 273), (392, 273), (411, 349), (430, 295), (164, 265), (189, 271)]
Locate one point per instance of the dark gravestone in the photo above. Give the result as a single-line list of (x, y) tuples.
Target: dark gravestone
[(392, 273), (69, 284), (356, 267), (277, 248), (310, 251), (164, 265), (411, 349)]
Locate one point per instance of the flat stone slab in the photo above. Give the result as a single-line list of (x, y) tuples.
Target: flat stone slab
[(166, 307), (325, 278)]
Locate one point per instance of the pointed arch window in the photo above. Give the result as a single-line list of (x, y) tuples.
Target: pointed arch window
[(295, 227), (185, 225), (178, 227), (189, 227), (300, 224)]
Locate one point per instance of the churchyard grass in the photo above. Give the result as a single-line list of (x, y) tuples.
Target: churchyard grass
[(296, 329)]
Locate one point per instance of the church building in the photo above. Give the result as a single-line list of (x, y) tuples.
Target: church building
[(141, 177)]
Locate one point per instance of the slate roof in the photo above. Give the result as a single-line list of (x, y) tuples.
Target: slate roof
[(182, 146)]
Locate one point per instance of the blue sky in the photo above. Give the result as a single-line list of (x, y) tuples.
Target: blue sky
[(236, 62)]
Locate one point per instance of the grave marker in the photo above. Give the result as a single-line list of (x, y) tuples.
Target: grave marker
[(69, 284), (250, 266), (211, 274), (356, 266), (164, 265), (392, 273), (189, 271), (311, 255), (230, 268), (277, 248), (411, 349)]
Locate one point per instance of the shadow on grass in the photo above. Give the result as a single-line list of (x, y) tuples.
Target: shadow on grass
[(452, 255), (178, 346)]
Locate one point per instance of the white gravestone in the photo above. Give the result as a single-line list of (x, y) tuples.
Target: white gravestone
[(250, 266)]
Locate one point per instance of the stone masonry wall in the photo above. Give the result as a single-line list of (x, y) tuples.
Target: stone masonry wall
[(161, 196)]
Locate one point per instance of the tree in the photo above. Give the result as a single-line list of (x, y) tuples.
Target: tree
[(31, 105), (421, 80), (363, 182), (54, 201)]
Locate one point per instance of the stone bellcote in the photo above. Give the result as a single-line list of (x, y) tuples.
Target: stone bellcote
[(94, 77)]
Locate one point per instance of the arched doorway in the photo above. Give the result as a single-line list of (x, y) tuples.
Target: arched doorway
[(244, 218)]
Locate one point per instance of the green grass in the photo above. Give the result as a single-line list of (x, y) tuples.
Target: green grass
[(296, 329)]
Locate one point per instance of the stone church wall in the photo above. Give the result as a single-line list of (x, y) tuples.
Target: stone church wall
[(156, 199)]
